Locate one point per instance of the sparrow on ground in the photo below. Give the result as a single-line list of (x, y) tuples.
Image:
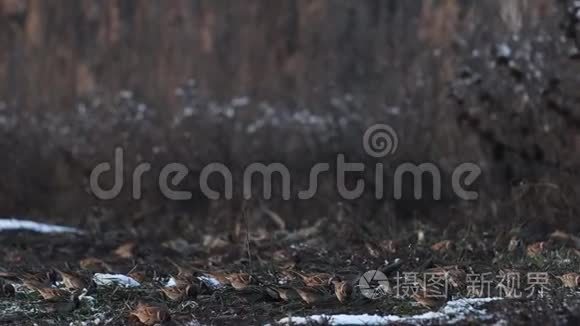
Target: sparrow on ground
[(175, 293), (284, 259), (150, 313), (31, 280), (184, 277), (61, 304), (76, 281), (126, 250), (342, 289), (442, 246), (282, 293), (94, 265), (313, 295), (315, 279), (453, 275), (569, 280), (427, 301), (535, 249), (240, 281), (50, 293)]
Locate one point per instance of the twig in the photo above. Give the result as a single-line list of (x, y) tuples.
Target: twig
[(245, 209)]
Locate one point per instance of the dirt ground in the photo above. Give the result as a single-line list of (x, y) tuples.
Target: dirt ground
[(275, 258)]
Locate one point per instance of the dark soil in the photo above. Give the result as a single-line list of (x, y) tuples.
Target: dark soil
[(343, 249)]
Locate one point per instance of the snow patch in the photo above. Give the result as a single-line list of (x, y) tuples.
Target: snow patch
[(207, 280), (504, 51), (210, 281), (170, 282), (453, 312), (115, 279), (17, 224)]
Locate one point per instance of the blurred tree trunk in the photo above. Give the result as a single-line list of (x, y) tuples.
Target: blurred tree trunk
[(54, 52)]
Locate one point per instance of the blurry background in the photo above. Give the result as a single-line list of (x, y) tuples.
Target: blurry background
[(492, 82)]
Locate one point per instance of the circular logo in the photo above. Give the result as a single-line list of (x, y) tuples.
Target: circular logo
[(374, 284), (380, 140)]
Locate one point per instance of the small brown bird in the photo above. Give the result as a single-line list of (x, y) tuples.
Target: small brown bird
[(76, 281), (315, 279), (284, 259), (61, 304), (184, 277), (389, 246), (94, 265), (126, 250), (31, 280), (442, 246), (150, 313), (454, 276), (240, 281), (181, 270), (427, 301), (313, 295), (342, 289), (50, 293), (569, 280), (514, 244), (282, 293), (175, 293), (535, 249), (183, 281)]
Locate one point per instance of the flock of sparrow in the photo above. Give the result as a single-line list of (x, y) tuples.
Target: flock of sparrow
[(316, 288), (189, 282)]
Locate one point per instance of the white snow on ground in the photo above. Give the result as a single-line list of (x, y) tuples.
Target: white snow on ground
[(211, 282), (453, 312), (170, 282), (16, 224), (207, 280), (115, 279)]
